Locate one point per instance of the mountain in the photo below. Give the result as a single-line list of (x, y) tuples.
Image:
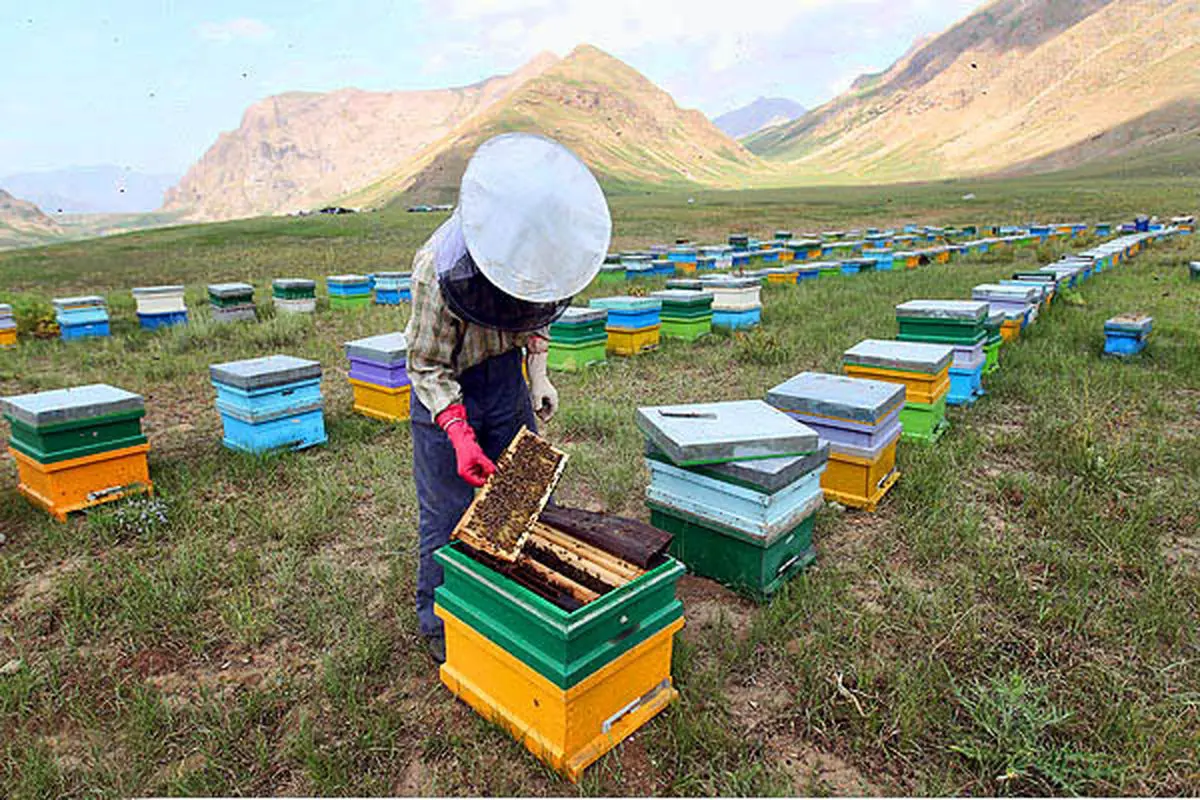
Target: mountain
[(103, 189), (629, 131), (762, 113), (22, 223), (300, 150), (1018, 85)]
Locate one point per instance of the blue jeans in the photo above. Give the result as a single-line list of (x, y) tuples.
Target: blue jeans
[(498, 406)]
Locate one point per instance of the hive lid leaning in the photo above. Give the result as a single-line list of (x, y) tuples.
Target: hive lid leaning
[(956, 310), (767, 474), (714, 433), (230, 289), (260, 373), (910, 356), (386, 348), (66, 405), (837, 396)]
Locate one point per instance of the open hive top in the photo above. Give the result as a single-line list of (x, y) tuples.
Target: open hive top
[(503, 513)]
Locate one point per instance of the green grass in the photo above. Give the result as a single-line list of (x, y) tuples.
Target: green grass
[(1019, 617)]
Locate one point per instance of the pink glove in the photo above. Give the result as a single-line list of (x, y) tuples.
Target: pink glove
[(473, 466)]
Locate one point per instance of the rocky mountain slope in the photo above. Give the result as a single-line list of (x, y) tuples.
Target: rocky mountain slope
[(762, 113), (22, 223), (357, 148), (1020, 82), (629, 131), (299, 150)]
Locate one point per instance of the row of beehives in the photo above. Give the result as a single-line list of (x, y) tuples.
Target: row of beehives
[(736, 487), (164, 306), (785, 258)]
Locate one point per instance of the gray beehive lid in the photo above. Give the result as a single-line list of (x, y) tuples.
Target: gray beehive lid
[(692, 284), (729, 282), (624, 303), (995, 317), (920, 357), (958, 310), (260, 373), (351, 278), (582, 316), (1134, 323), (713, 433), (66, 405), (837, 396), (154, 291), (996, 291), (1041, 289), (86, 300), (294, 283), (682, 296), (230, 289), (386, 348), (392, 276)]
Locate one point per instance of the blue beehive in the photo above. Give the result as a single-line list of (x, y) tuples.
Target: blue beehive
[(630, 313), (81, 317), (393, 288), (270, 403), (1127, 334)]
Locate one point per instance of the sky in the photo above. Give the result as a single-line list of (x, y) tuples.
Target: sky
[(149, 85)]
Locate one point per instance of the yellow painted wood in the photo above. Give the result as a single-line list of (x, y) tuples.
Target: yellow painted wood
[(79, 483), (630, 343), (381, 402), (568, 729), (919, 387), (857, 482), (8, 338), (1010, 329)]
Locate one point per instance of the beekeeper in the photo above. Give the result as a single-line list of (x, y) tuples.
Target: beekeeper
[(531, 230)]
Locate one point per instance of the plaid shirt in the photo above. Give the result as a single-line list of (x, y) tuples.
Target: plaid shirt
[(441, 346)]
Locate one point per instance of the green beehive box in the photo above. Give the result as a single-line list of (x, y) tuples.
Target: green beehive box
[(958, 322), (734, 559), (920, 330), (342, 302), (294, 288), (688, 330), (697, 312), (924, 422), (576, 334), (574, 357), (62, 441), (991, 353), (563, 646)]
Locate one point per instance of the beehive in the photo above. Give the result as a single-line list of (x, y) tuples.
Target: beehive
[(924, 369), (686, 314), (962, 325), (294, 295), (8, 326), (81, 317), (379, 377), (348, 291), (231, 302), (1127, 334), (859, 420), (634, 324), (738, 485), (270, 403), (78, 448), (392, 288), (160, 306)]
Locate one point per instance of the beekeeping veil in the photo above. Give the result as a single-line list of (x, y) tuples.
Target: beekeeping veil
[(530, 232)]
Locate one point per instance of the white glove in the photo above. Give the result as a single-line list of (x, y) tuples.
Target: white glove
[(541, 392)]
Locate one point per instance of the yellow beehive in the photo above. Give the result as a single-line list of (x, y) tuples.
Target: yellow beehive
[(381, 402), (630, 343), (857, 482), (78, 483), (1010, 329), (8, 338), (568, 729)]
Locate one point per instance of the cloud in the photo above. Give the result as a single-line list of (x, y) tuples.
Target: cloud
[(242, 29)]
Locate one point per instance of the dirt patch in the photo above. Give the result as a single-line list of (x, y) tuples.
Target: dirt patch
[(233, 669), (1183, 552), (757, 703), (708, 605), (816, 772), (40, 586)]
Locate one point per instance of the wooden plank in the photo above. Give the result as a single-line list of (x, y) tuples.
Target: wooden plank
[(629, 539), (608, 563), (574, 559), (562, 582)]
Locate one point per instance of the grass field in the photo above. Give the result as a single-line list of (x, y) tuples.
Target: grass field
[(1019, 617)]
